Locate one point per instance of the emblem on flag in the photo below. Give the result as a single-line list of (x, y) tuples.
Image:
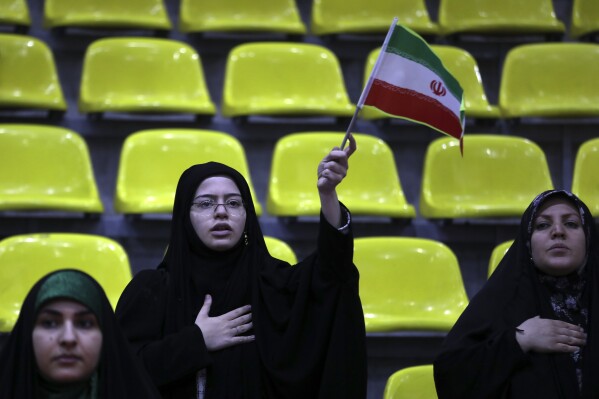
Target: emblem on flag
[(437, 88)]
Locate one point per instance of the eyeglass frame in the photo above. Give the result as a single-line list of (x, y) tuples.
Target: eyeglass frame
[(214, 206)]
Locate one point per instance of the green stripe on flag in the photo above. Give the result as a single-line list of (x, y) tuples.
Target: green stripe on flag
[(408, 44)]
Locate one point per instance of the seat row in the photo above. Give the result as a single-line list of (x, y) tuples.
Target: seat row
[(143, 75), (411, 284), (48, 168), (327, 16)]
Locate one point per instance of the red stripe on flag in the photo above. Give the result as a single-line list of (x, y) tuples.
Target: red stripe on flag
[(413, 105)]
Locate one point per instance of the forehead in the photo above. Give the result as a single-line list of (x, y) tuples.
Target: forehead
[(557, 206), (216, 185)]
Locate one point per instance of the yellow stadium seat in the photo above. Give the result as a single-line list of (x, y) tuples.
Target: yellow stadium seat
[(463, 67), (280, 16), (415, 382), (498, 17), (14, 12), (369, 16), (46, 168), (152, 162), (144, 14), (550, 80), (585, 181), (497, 254), (28, 77), (128, 74), (498, 176), (585, 18), (292, 187), (280, 249), (408, 284), (284, 79), (24, 259)]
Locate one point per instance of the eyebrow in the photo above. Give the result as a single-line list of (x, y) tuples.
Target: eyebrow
[(54, 312), (216, 196), (564, 216)]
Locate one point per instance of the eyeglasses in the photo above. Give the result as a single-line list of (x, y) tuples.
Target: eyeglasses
[(234, 207)]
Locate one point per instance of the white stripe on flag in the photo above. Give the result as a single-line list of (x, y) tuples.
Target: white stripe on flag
[(402, 72)]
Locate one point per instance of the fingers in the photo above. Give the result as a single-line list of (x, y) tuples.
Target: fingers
[(235, 313), (333, 171), (351, 148), (571, 338), (206, 306)]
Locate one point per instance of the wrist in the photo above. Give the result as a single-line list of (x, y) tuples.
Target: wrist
[(522, 341)]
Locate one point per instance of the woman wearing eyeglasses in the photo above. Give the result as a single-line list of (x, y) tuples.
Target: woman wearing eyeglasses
[(220, 318)]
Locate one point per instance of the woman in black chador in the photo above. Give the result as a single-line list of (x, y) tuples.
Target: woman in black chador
[(531, 332), (220, 318), (67, 344)]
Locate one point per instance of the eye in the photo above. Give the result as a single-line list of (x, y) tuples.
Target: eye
[(572, 224), (234, 203), (86, 323), (204, 204), (47, 322), (541, 225)]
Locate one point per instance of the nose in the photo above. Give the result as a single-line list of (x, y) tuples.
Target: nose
[(558, 230), (68, 336), (220, 210)]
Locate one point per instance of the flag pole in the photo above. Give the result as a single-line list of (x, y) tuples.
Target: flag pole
[(366, 89)]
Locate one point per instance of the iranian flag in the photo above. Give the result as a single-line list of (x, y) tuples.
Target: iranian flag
[(409, 81)]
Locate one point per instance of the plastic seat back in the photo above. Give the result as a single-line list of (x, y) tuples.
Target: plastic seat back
[(280, 249), (408, 284), (498, 17), (28, 74), (534, 82), (24, 259), (463, 67), (498, 176), (129, 74), (14, 12), (152, 162), (585, 18), (284, 79), (46, 168), (241, 15), (497, 254), (146, 14), (411, 383), (374, 16), (585, 181), (292, 186)]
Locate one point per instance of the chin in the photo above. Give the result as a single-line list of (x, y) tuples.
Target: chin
[(69, 378), (560, 270), (221, 246)]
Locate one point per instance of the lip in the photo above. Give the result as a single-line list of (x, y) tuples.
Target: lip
[(221, 227), (67, 359), (558, 246)]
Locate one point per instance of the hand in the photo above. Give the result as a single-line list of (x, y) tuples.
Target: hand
[(333, 168), (547, 335), (223, 331)]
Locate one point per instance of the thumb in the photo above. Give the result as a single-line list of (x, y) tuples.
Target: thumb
[(206, 306)]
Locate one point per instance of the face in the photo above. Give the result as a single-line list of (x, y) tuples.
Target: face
[(219, 227), (558, 242), (67, 341)]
